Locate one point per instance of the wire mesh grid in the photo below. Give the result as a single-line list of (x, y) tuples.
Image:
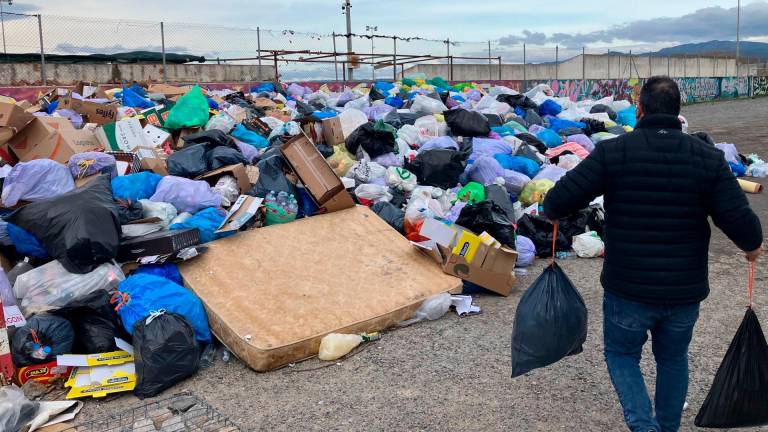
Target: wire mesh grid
[(182, 412)]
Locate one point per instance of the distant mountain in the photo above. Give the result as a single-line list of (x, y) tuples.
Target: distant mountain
[(720, 48)]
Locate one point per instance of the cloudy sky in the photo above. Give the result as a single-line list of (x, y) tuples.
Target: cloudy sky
[(509, 24)]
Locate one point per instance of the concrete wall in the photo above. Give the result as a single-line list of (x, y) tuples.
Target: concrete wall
[(591, 67), (65, 74)]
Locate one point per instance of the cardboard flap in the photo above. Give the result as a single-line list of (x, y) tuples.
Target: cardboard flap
[(306, 161)]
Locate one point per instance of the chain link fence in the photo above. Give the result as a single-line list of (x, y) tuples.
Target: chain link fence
[(305, 56)]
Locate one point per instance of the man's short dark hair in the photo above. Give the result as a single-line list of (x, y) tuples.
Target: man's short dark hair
[(660, 95)]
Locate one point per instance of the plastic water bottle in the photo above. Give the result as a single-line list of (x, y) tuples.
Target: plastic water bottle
[(564, 255), (270, 197)]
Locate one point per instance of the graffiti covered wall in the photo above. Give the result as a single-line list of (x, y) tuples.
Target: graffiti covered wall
[(694, 90), (760, 86), (620, 89), (734, 87)]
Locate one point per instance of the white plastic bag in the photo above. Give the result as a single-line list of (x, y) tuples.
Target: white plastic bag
[(357, 104), (409, 134), (351, 119), (222, 121), (51, 286), (228, 188), (365, 172), (163, 210), (425, 104), (373, 192), (400, 178), (588, 245), (569, 161), (428, 128), (15, 409), (432, 309)]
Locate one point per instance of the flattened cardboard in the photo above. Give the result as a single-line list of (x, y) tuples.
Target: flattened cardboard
[(42, 373), (124, 135), (100, 359), (152, 159), (156, 116), (237, 171), (301, 298), (52, 139), (318, 177), (13, 118), (94, 112), (168, 90), (243, 210), (332, 132)]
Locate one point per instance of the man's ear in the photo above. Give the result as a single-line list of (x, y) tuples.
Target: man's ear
[(639, 112)]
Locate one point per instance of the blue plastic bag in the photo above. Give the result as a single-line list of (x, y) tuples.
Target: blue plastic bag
[(549, 138), (207, 221), (738, 169), (144, 293), (550, 107), (249, 137), (25, 242), (383, 86), (265, 87), (168, 271), (394, 101), (627, 117), (212, 104), (139, 90), (132, 99), (557, 124), (135, 187), (520, 164)]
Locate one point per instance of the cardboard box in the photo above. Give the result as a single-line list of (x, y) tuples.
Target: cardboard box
[(94, 112), (168, 90), (101, 359), (318, 177), (477, 259), (90, 90), (124, 135), (101, 381), (154, 136), (42, 373), (237, 171), (156, 116), (243, 210), (13, 118), (51, 138), (332, 132), (152, 159), (185, 132)]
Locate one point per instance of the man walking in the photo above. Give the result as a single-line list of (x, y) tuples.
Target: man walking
[(660, 186)]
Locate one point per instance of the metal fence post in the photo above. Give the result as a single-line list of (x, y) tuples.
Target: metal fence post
[(698, 65), (557, 62), (499, 68), (394, 58), (42, 49), (583, 63), (448, 57), (650, 66), (162, 47), (490, 77), (608, 75), (258, 48), (525, 73), (335, 59)]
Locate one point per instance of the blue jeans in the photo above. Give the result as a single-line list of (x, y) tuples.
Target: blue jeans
[(625, 329)]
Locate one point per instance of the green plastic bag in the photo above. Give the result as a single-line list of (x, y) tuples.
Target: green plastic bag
[(275, 215), (472, 193), (409, 82), (535, 191), (190, 111), (461, 86), (438, 81), (516, 126)]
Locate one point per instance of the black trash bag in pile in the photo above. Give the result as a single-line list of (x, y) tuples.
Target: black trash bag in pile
[(223, 156), (304, 108), (409, 118), (375, 94), (704, 137), (518, 100), (488, 216), (391, 214), (272, 178), (550, 322), (211, 138), (325, 150), (43, 338), (494, 120), (374, 142), (499, 196), (528, 152), (541, 231), (129, 211), (738, 396), (533, 117), (95, 323), (166, 352), (593, 126), (600, 108), (80, 228), (392, 118), (571, 131), (438, 167), (467, 123), (531, 139), (188, 162)]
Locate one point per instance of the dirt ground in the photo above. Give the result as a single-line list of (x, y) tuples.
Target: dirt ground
[(454, 373)]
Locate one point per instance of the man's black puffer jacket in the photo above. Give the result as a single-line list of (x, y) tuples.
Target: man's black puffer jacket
[(660, 186)]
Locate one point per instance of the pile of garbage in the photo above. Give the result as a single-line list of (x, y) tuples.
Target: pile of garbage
[(105, 191)]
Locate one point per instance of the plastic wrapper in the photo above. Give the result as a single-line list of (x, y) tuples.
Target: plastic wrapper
[(43, 338), (490, 217), (16, 411), (80, 228), (36, 180), (341, 161), (371, 193), (401, 179), (51, 286), (166, 352), (535, 191), (431, 309), (165, 211), (86, 164), (550, 322), (186, 195), (472, 193)]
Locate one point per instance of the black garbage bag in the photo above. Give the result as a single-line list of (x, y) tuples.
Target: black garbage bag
[(616, 130), (593, 126), (738, 396), (499, 196), (374, 142), (391, 214), (518, 100), (188, 162), (704, 137), (43, 338), (488, 216), (95, 323), (211, 138), (570, 131), (494, 120), (392, 118), (550, 322), (531, 139), (129, 211), (438, 167), (540, 231), (325, 150), (80, 228), (533, 117), (600, 108), (398, 198), (223, 156), (467, 123), (528, 152), (409, 118), (521, 121), (304, 108), (165, 352), (272, 178), (375, 94)]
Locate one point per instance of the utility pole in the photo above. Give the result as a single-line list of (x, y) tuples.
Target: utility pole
[(738, 34), (346, 7), (373, 65)]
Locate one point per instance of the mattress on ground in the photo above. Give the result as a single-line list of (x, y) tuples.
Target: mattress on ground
[(272, 293)]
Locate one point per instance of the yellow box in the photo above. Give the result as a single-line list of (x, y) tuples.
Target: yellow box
[(467, 245)]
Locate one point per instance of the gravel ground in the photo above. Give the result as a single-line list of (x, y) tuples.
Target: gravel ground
[(454, 373)]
